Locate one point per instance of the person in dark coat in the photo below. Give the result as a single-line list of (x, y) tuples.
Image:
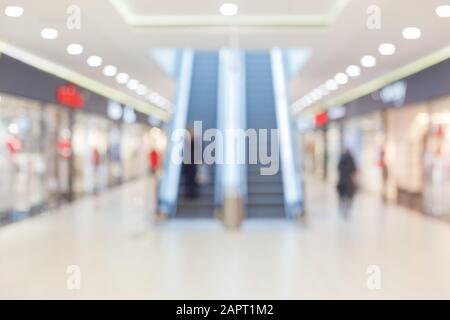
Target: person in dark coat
[(190, 168), (346, 186)]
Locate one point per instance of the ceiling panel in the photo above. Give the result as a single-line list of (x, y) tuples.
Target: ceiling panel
[(246, 7)]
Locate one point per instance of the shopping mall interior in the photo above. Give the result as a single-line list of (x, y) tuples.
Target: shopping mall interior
[(224, 149)]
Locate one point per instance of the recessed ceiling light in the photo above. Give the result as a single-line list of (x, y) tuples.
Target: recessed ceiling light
[(154, 97), (386, 49), (331, 85), (49, 33), (94, 61), (14, 11), (443, 11), (316, 95), (74, 49), (411, 33), (109, 71), (229, 9), (132, 84), (341, 78), (141, 90), (122, 78), (353, 71), (308, 100), (323, 90), (368, 61)]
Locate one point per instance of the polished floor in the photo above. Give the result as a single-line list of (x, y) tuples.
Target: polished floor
[(123, 253)]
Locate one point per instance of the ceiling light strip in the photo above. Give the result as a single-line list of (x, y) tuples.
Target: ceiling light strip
[(83, 81), (313, 20), (398, 74)]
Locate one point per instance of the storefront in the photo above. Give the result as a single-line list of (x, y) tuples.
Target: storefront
[(135, 149), (400, 138), (405, 146), (333, 150), (363, 136), (437, 158), (59, 141), (35, 171), (91, 137)]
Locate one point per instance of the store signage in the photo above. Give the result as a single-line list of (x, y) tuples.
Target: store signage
[(154, 122), (114, 110), (337, 113), (129, 115), (394, 94), (321, 119), (69, 95)]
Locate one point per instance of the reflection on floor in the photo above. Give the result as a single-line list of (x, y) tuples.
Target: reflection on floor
[(122, 254)]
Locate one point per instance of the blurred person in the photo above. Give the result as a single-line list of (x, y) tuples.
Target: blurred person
[(154, 161), (96, 163), (190, 168), (384, 171), (346, 186)]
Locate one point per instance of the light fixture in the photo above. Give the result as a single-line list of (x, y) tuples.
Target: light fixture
[(331, 85), (109, 71), (411, 33), (443, 11), (386, 49), (229, 9), (132, 84), (368, 61), (14, 11), (122, 78), (94, 61), (341, 78), (129, 115), (316, 95), (154, 97), (141, 90), (323, 90), (49, 33), (13, 128), (308, 100), (353, 71), (74, 49), (115, 110), (337, 112)]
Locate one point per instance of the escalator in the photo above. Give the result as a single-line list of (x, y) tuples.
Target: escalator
[(265, 197), (202, 107)]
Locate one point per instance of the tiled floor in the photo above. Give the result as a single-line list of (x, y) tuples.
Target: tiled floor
[(123, 254)]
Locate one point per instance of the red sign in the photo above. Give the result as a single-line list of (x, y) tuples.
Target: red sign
[(321, 119), (68, 95)]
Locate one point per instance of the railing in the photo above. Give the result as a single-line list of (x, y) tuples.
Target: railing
[(169, 186), (292, 185)]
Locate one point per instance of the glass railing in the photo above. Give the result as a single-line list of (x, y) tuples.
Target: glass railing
[(168, 191), (292, 179)]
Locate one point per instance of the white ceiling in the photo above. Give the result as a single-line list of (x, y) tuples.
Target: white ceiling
[(104, 32), (201, 7)]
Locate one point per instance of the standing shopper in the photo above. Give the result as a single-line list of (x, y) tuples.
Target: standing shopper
[(346, 186)]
